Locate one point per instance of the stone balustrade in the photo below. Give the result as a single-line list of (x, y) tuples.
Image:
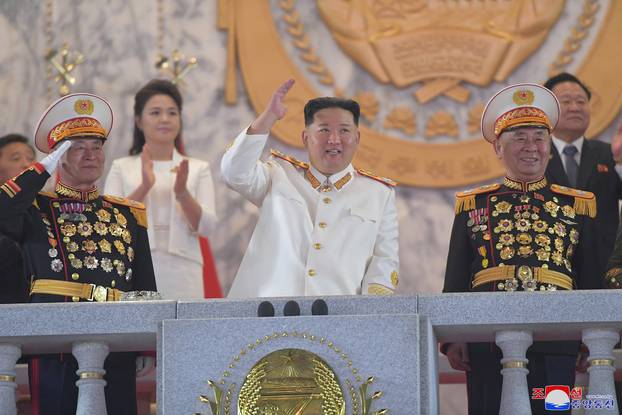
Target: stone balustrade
[(383, 337)]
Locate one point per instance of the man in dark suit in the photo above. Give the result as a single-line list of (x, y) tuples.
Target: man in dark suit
[(581, 163)]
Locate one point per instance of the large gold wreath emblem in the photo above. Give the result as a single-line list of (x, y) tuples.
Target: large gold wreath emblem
[(439, 43), (437, 48), (293, 381)]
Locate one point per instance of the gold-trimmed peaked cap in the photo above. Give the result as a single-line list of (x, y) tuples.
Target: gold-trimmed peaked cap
[(74, 115), (519, 105)]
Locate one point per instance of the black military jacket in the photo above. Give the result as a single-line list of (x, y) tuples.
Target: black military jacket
[(597, 173), (541, 233), (76, 236)]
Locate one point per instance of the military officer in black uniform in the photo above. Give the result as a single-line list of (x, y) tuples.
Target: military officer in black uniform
[(77, 244), (16, 154), (523, 234)]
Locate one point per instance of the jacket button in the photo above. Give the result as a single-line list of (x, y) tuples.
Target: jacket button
[(322, 225), (327, 200), (311, 272), (317, 246)]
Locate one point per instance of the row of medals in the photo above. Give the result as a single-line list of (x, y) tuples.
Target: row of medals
[(71, 224), (526, 218)]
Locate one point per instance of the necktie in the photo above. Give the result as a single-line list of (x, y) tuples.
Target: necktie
[(572, 168), (327, 186)]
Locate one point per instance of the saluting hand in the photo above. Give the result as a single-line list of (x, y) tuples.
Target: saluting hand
[(180, 188), (51, 161), (275, 110)]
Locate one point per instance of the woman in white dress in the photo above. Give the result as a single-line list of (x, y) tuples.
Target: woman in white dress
[(177, 190)]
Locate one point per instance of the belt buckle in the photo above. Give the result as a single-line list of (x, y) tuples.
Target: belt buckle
[(98, 293), (526, 275)]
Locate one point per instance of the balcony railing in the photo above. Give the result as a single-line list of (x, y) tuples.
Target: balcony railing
[(201, 333)]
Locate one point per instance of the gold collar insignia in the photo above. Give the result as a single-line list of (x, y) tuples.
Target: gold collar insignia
[(525, 186), (68, 191)]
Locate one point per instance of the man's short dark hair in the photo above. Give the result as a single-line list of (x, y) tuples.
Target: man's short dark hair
[(14, 138), (321, 103), (566, 77)]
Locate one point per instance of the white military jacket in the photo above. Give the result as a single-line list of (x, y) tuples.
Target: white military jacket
[(309, 241)]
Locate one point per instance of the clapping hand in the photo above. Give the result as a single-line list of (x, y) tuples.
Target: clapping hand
[(180, 188), (147, 168)]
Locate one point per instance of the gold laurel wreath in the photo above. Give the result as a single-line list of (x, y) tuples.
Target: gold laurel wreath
[(296, 29), (577, 35), (332, 400), (251, 390)]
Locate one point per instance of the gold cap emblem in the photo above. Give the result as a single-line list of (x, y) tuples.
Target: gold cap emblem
[(523, 97), (83, 106)]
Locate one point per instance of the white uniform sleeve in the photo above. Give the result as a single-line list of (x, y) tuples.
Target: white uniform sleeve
[(205, 198), (114, 181), (381, 276), (242, 170)]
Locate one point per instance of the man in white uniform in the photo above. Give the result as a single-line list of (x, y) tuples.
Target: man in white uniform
[(325, 228)]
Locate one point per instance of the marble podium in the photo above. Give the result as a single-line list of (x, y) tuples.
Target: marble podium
[(361, 358)]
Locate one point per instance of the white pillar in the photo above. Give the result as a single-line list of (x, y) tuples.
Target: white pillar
[(601, 342), (9, 354), (515, 392), (91, 397)]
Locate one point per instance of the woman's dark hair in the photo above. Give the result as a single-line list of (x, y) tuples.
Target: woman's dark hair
[(155, 87)]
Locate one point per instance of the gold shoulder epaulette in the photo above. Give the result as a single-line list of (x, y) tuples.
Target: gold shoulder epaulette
[(465, 200), (138, 209), (381, 179), (584, 201), (123, 201), (51, 195), (293, 160)]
